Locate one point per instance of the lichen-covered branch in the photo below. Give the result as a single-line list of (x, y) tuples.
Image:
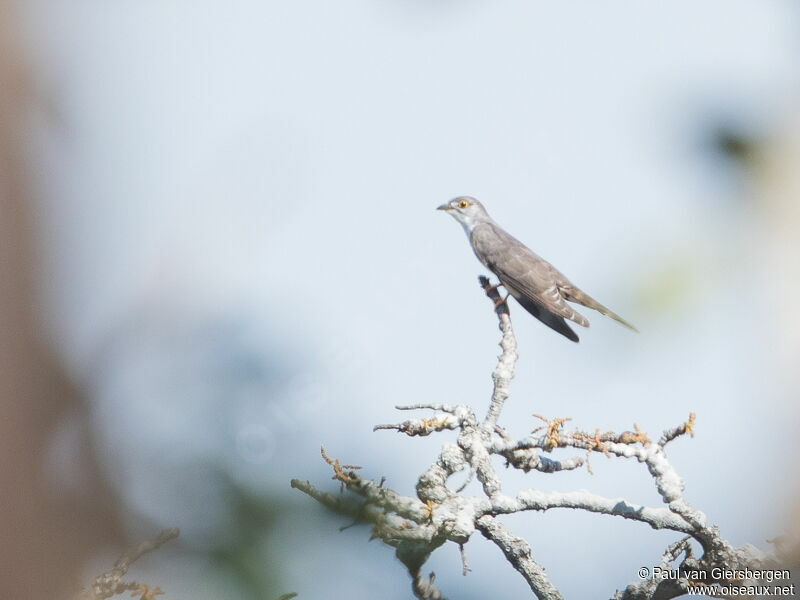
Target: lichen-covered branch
[(655, 517), (441, 512), (113, 583), (504, 372), (518, 553)]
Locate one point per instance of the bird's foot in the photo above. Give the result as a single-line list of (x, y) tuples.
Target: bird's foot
[(501, 301), (500, 304)]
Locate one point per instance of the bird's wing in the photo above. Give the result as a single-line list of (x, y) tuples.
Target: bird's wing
[(554, 322), (525, 275)]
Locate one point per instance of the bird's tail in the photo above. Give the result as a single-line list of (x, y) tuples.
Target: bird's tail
[(575, 295), (609, 313)]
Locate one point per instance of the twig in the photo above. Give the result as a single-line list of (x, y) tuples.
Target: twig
[(518, 552), (112, 583), (464, 566), (682, 429)]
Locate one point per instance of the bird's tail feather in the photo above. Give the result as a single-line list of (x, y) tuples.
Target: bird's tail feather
[(576, 295), (602, 309)]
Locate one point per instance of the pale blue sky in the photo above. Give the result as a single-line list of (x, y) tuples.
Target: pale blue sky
[(273, 169)]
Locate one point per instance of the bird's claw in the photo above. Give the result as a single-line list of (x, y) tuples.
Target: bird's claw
[(501, 301), (491, 288)]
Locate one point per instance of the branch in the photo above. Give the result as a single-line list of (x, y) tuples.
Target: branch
[(111, 583), (416, 527), (423, 427), (657, 518), (414, 536), (682, 429), (518, 553), (504, 372)]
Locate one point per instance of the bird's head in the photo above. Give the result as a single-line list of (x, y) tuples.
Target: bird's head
[(466, 210)]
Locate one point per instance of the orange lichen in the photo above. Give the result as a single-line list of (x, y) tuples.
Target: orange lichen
[(433, 424), (145, 593), (338, 469), (553, 428), (689, 425), (430, 506)]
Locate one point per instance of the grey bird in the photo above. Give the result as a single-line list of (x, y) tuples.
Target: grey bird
[(537, 285)]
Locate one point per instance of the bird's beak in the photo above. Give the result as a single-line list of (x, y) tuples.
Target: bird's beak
[(443, 207)]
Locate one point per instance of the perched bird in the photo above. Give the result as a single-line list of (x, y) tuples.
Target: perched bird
[(538, 286)]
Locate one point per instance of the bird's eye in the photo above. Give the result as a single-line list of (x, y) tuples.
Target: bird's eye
[(463, 204)]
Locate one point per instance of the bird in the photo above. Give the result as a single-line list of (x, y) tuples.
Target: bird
[(537, 285)]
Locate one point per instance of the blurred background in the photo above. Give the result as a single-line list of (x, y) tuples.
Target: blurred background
[(220, 251)]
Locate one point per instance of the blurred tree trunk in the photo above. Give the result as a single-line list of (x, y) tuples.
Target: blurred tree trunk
[(46, 533)]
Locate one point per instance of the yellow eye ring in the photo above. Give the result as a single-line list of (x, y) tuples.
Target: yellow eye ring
[(463, 204)]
